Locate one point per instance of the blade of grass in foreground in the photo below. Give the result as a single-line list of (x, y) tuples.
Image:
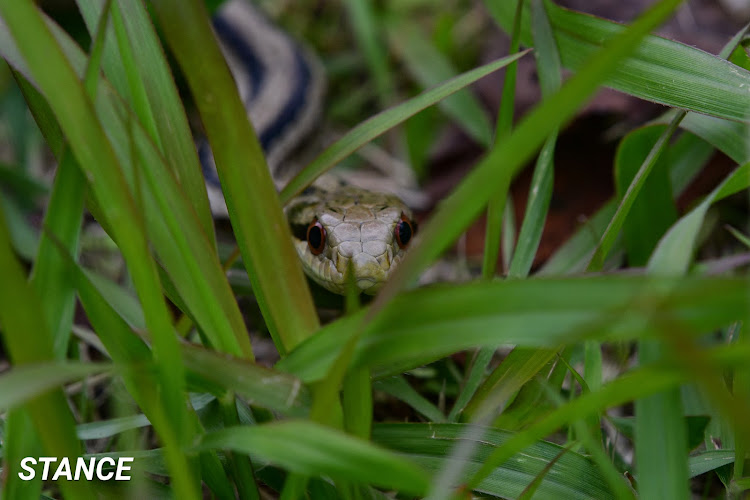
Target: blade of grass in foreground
[(262, 232), (573, 476), (421, 325), (195, 269), (27, 338), (160, 99), (320, 450), (27, 381), (380, 123), (75, 112)]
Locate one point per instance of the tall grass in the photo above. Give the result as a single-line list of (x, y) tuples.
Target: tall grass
[(306, 427)]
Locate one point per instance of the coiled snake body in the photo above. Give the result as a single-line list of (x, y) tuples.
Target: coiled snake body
[(337, 227)]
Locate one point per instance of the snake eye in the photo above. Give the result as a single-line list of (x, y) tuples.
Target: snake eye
[(403, 232), (316, 237)]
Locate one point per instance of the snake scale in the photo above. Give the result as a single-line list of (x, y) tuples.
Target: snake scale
[(337, 227)]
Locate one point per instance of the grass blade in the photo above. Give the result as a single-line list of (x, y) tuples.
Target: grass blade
[(321, 451), (267, 251), (380, 123)]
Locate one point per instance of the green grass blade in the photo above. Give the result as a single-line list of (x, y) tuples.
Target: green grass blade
[(20, 441), (727, 136), (399, 388), (466, 202), (365, 25), (658, 69), (654, 210), (28, 340), (321, 451), (27, 381), (65, 208), (58, 82), (571, 476), (540, 192), (661, 430), (420, 326), (262, 232), (475, 377), (160, 99), (660, 437), (197, 271), (263, 387), (520, 366), (497, 204), (707, 461), (687, 155), (628, 199), (383, 121), (431, 68), (675, 250)]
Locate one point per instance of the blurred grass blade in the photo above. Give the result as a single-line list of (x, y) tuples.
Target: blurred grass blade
[(742, 238), (571, 476), (657, 70), (57, 81), (197, 272), (625, 388), (431, 68), (727, 136), (159, 102), (520, 366), (319, 450), (660, 436), (65, 208), (399, 388), (27, 339), (420, 326), (27, 381), (380, 123), (497, 203), (260, 227), (472, 381), (365, 25), (260, 386)]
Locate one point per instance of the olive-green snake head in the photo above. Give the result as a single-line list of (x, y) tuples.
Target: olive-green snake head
[(349, 228)]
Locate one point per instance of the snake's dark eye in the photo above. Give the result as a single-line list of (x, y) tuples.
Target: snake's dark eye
[(316, 237), (403, 232)]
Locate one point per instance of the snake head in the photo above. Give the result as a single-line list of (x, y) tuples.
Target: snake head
[(350, 229)]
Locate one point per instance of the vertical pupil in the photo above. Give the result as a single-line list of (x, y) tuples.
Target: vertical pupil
[(404, 232), (315, 237)]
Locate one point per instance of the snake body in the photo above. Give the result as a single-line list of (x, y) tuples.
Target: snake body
[(337, 228)]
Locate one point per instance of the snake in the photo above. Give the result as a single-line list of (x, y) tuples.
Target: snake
[(344, 235)]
